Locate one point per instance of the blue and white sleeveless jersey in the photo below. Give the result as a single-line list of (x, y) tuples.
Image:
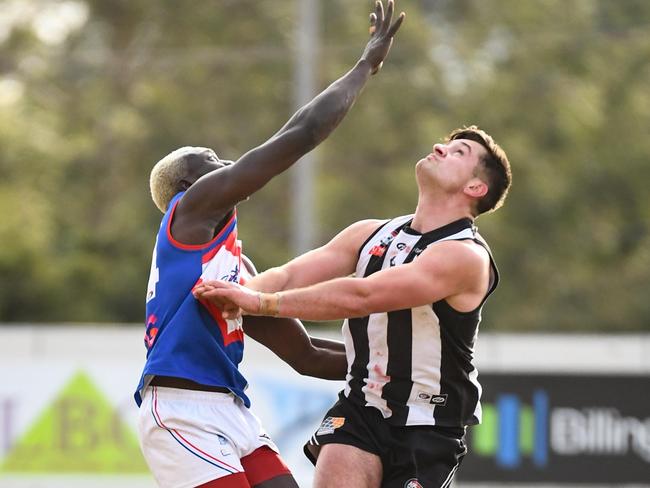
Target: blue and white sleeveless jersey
[(186, 338)]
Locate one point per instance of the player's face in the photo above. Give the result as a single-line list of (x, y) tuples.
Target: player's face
[(204, 161), (451, 166)]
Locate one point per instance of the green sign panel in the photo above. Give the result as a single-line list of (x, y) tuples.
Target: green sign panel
[(79, 432)]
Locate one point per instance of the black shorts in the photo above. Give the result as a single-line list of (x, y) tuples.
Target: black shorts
[(411, 457)]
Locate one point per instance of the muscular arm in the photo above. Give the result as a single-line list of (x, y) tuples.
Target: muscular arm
[(457, 271), (213, 195), (335, 259), (288, 339)]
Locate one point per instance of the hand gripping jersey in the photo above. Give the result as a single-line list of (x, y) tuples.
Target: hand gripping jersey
[(415, 365), (186, 338)]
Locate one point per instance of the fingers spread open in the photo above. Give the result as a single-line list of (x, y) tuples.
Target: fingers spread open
[(373, 23), (379, 13), (396, 25), (388, 18)]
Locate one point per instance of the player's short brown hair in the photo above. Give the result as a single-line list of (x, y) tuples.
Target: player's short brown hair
[(494, 168)]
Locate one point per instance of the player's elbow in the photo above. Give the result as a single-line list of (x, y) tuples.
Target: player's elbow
[(317, 122), (304, 130), (323, 364), (307, 363)]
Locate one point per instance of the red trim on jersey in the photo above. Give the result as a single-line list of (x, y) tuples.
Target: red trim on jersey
[(262, 465), (194, 247), (229, 243), (216, 313)]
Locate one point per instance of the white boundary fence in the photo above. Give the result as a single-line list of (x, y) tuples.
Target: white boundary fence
[(67, 417)]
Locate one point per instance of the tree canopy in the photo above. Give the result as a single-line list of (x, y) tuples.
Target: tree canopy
[(93, 93)]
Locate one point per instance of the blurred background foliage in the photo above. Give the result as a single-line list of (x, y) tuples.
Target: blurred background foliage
[(93, 93)]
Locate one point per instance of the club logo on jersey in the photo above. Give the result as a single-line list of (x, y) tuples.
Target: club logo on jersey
[(412, 483), (232, 276), (377, 251), (330, 424), (380, 249), (223, 265)]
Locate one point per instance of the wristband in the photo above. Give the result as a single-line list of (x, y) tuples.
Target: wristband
[(269, 304)]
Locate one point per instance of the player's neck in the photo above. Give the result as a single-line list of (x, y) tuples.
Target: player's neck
[(432, 213)]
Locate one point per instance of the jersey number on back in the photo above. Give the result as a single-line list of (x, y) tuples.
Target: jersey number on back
[(154, 275)]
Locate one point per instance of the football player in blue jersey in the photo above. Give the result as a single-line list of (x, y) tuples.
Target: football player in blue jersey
[(195, 426)]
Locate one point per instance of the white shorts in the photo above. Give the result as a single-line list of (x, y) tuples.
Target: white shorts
[(191, 437)]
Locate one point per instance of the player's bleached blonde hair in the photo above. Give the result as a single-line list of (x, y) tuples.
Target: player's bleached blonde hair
[(166, 174)]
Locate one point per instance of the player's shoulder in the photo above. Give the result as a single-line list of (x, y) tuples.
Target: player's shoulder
[(363, 230), (457, 253), (367, 225), (373, 225), (351, 237)]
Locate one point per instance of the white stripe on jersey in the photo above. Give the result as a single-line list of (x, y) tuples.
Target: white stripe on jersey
[(378, 362), (473, 378), (419, 354), (349, 354), (426, 361), (396, 253), (478, 411)]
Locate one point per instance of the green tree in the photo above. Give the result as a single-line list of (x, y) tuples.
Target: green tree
[(88, 106)]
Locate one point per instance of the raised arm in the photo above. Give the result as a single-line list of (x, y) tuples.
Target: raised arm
[(214, 194)]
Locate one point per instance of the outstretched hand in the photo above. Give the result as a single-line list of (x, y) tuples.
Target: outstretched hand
[(381, 34), (233, 299)]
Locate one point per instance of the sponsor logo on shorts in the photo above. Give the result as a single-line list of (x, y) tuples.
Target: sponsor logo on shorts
[(329, 425), (225, 446), (412, 483)]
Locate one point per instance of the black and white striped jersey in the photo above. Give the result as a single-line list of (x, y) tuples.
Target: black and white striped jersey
[(415, 365)]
